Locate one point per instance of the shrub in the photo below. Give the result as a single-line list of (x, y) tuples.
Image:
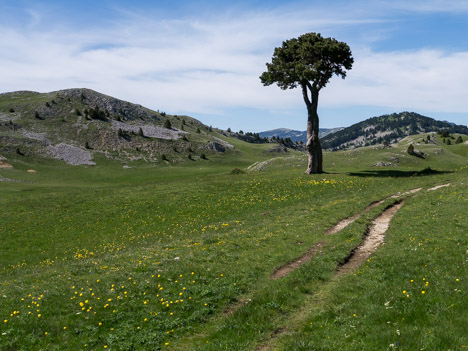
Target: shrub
[(229, 130), (78, 112), (167, 124), (203, 157), (459, 140), (47, 104), (190, 157), (449, 142), (164, 157), (12, 110), (18, 151), (198, 130), (237, 171), (36, 115)]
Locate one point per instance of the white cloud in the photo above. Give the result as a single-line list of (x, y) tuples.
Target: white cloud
[(419, 80), (201, 66)]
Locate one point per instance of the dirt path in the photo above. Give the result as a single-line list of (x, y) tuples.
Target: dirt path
[(372, 240), (438, 187), (347, 221), (287, 268)]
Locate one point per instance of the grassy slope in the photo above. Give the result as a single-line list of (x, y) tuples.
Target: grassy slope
[(88, 253)]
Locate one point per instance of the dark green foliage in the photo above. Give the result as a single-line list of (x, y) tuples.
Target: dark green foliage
[(449, 142), (399, 124), (411, 150), (19, 152), (183, 122), (237, 171), (229, 130), (444, 133), (78, 112), (198, 130), (37, 116), (308, 58), (190, 149), (47, 104), (190, 157), (164, 157), (12, 110), (123, 134), (241, 132), (87, 146), (167, 124), (203, 157), (163, 114), (459, 140), (54, 102), (428, 137), (210, 129), (96, 113), (184, 138)]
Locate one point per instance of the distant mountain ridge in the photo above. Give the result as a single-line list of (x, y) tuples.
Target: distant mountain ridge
[(387, 128), (295, 135)]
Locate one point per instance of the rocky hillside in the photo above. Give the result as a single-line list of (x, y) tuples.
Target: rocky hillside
[(77, 125), (295, 135), (387, 129)]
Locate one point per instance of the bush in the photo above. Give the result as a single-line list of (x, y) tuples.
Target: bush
[(36, 115), (459, 140), (237, 171), (18, 151), (164, 157), (167, 124), (78, 112), (198, 130), (203, 157), (411, 150), (449, 142), (12, 110), (190, 157)]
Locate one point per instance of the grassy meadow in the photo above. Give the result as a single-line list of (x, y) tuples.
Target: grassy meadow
[(180, 257)]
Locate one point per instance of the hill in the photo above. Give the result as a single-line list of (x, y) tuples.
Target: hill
[(295, 135), (387, 128), (78, 125)]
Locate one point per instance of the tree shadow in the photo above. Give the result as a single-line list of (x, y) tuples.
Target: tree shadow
[(397, 174)]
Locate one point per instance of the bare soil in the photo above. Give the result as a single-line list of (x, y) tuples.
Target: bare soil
[(372, 241), (347, 221), (287, 268)]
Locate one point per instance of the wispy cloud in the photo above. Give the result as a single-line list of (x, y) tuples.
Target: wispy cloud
[(211, 64)]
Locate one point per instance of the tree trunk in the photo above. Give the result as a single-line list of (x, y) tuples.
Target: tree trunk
[(313, 147)]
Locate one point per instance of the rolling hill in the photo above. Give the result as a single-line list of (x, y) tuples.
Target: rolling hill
[(77, 125), (387, 128)]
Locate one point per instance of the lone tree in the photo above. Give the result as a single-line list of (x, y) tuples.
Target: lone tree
[(309, 61)]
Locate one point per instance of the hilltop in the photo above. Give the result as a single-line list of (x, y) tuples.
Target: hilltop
[(387, 128)]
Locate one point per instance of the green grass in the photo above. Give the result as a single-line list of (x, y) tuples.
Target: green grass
[(152, 257)]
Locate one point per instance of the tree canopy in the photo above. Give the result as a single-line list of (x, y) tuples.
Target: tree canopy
[(308, 58)]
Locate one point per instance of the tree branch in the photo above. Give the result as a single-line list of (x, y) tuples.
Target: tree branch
[(305, 95)]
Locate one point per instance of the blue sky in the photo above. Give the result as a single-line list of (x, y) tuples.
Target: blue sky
[(203, 58)]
